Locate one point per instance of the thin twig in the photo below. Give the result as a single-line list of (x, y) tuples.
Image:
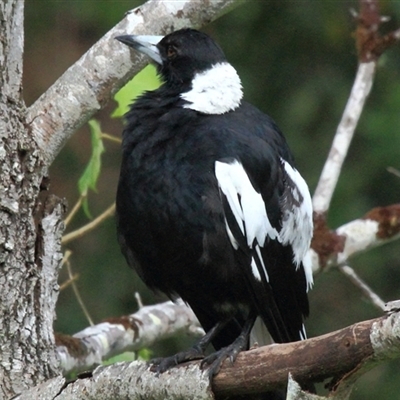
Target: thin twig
[(66, 257), (138, 300), (393, 171), (73, 211), (367, 291), (111, 138), (90, 226), (77, 294), (69, 282), (396, 34)]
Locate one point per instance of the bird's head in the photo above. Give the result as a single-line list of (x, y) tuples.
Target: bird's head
[(192, 62)]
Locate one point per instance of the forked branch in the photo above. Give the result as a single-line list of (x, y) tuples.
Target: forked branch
[(340, 356)]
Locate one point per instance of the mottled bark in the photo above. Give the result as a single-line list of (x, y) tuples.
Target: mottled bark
[(29, 234), (88, 348)]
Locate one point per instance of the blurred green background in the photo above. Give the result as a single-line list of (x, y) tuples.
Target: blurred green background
[(297, 62)]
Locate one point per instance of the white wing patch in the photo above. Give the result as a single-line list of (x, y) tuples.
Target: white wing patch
[(307, 265), (246, 204), (258, 251), (303, 333), (254, 270), (250, 213), (215, 91), (297, 224), (234, 242)]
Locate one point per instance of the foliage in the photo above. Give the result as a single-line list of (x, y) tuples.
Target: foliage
[(144, 354), (89, 178), (146, 79)]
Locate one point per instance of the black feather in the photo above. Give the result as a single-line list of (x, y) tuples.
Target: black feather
[(172, 216)]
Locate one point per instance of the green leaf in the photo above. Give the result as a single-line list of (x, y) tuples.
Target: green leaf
[(89, 178), (127, 356), (144, 354), (146, 79)]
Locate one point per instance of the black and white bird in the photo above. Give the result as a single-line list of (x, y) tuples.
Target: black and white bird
[(210, 206)]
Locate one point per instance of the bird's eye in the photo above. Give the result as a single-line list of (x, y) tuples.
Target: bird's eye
[(171, 52)]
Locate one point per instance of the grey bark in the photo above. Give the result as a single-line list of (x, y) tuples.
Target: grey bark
[(28, 292), (88, 348)]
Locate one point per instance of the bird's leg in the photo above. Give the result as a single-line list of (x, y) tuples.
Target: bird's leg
[(160, 365), (216, 359)]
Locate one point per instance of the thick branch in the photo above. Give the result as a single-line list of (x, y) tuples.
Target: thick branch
[(150, 324), (88, 84), (341, 355), (337, 354)]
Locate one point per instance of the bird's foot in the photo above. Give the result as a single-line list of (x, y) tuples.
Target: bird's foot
[(215, 360), (162, 364)]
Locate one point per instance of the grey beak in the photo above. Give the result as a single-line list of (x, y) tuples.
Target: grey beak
[(146, 44)]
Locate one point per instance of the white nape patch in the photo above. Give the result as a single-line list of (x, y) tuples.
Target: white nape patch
[(215, 91), (254, 270), (297, 223), (249, 212)]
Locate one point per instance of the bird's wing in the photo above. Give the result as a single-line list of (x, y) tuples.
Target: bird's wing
[(271, 234)]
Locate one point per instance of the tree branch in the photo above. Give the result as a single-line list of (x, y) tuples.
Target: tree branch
[(340, 356), (87, 85), (90, 226), (11, 51), (370, 45), (379, 226), (48, 247), (335, 355), (90, 347), (344, 134), (131, 381), (366, 290)]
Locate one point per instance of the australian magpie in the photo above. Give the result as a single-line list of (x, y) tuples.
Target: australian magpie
[(210, 206)]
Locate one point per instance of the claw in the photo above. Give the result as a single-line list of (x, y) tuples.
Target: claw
[(216, 359), (162, 364), (213, 361)]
